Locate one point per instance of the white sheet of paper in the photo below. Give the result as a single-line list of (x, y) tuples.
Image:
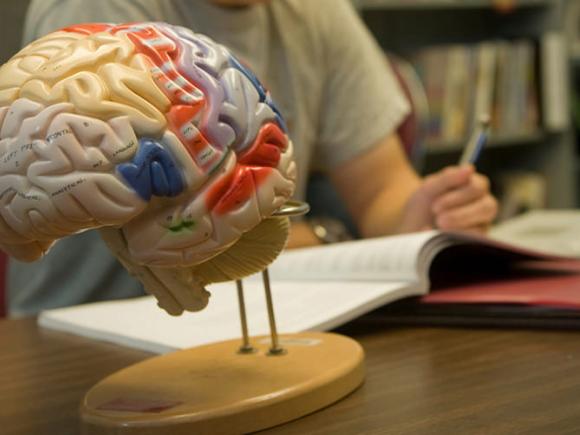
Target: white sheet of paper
[(551, 231), (299, 306)]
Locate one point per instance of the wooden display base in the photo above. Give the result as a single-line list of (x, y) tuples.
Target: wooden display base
[(214, 389)]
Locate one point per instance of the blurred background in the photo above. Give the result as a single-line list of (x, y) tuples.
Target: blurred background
[(11, 26), (512, 59), (517, 60)]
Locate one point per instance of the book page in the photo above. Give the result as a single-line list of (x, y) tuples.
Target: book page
[(551, 231), (394, 258), (299, 306), (313, 289)]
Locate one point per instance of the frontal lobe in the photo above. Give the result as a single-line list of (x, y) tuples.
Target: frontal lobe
[(154, 134)]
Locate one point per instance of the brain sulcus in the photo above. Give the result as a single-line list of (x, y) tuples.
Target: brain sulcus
[(158, 137)]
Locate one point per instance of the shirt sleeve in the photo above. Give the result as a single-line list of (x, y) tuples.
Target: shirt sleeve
[(362, 101)]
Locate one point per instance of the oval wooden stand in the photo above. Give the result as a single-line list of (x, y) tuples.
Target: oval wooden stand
[(213, 389)]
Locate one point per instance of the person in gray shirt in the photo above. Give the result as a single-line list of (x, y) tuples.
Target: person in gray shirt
[(342, 105)]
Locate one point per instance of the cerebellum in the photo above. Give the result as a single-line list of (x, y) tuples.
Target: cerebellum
[(155, 135)]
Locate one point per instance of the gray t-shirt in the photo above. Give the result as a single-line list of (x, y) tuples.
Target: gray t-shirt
[(323, 68)]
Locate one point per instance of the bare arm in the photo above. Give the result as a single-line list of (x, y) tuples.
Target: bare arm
[(301, 235), (367, 197), (386, 196), (376, 186)]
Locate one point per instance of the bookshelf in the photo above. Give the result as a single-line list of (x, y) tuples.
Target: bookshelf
[(572, 27), (407, 27)]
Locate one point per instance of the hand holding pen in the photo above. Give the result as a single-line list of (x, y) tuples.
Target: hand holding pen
[(456, 197), (463, 200)]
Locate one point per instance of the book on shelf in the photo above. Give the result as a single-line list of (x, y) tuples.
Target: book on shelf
[(431, 66), (413, 129), (554, 67), (465, 81), (321, 288), (485, 59), (456, 95)]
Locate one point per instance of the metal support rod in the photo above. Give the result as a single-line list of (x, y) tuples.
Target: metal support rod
[(246, 347), (275, 348), (290, 208)]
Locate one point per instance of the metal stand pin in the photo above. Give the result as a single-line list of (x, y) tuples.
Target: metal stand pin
[(275, 348), (246, 347), (290, 208)]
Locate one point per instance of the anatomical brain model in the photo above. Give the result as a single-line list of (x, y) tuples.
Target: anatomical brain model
[(155, 135)]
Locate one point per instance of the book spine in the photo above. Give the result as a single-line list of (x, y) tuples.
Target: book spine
[(486, 55), (554, 81), (454, 101)]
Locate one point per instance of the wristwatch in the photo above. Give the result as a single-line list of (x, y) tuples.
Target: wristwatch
[(329, 230)]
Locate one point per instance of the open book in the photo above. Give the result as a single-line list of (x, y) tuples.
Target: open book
[(320, 288)]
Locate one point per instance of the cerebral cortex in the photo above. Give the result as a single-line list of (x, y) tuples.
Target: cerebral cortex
[(157, 136)]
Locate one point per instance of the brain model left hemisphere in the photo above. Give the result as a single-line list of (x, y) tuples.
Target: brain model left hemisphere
[(153, 134)]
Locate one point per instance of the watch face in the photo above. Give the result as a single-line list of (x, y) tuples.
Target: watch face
[(329, 230)]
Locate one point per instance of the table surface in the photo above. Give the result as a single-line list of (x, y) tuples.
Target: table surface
[(419, 381)]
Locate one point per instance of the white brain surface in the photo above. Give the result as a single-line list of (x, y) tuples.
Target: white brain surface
[(157, 136)]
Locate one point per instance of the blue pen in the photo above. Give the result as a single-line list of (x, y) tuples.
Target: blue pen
[(473, 147), (476, 142)]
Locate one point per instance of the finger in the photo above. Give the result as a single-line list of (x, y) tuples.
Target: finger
[(449, 178), (477, 187), (478, 213), (477, 230)]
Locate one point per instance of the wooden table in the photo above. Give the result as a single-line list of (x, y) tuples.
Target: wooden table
[(419, 381)]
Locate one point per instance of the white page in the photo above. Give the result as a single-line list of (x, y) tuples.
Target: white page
[(384, 259), (299, 306), (346, 281), (551, 231)]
